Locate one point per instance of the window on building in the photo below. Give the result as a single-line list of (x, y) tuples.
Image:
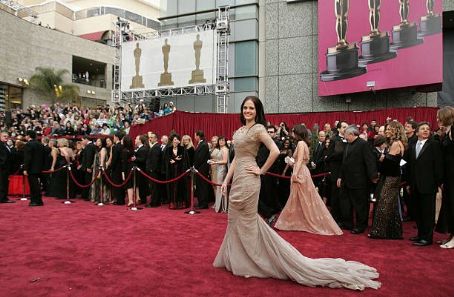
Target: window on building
[(241, 2), (246, 12), (186, 21), (11, 97), (186, 6), (246, 84), (246, 58), (169, 7), (202, 5), (89, 72), (201, 18), (225, 2)]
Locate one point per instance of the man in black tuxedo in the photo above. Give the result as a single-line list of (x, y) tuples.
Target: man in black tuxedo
[(118, 194), (334, 163), (6, 157), (45, 178), (154, 169), (33, 166), (140, 161), (201, 157), (268, 205), (87, 162), (410, 131), (358, 169), (424, 175), (317, 160), (165, 145)]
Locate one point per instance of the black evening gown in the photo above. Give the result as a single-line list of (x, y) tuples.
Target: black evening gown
[(58, 179), (176, 190), (387, 223)]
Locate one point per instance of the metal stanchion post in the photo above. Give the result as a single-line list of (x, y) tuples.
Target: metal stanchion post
[(192, 210), (134, 188), (23, 187), (67, 201), (101, 190)]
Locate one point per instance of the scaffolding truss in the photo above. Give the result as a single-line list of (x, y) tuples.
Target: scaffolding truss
[(222, 71), (220, 89)]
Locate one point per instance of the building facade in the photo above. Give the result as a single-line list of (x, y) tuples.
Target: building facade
[(30, 46), (273, 54), (60, 34), (91, 19)]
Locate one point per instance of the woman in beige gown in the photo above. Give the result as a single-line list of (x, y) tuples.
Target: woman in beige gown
[(305, 210), (250, 247)]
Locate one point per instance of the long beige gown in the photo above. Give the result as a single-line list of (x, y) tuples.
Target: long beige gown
[(305, 210), (252, 249)]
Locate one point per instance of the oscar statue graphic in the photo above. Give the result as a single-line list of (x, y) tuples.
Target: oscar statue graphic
[(430, 23), (375, 46), (342, 60), (197, 74), (406, 33), (137, 81), (166, 77)]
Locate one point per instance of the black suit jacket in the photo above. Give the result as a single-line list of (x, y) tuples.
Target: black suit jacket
[(317, 156), (335, 156), (359, 165), (425, 173), (88, 156), (262, 156), (5, 158), (115, 164), (47, 157), (154, 159), (34, 157), (141, 157), (201, 156)]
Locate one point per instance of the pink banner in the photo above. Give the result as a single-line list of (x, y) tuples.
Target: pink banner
[(410, 54)]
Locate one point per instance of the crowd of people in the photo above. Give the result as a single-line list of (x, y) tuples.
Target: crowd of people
[(70, 120), (320, 180), (398, 168)]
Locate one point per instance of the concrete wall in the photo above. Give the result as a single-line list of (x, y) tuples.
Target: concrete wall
[(288, 77), (28, 46)]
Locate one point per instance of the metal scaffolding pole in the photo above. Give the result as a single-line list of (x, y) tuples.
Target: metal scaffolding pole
[(222, 71)]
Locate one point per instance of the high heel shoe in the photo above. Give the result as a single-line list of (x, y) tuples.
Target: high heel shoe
[(448, 245)]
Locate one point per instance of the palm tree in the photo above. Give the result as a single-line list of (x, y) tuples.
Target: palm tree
[(49, 82)]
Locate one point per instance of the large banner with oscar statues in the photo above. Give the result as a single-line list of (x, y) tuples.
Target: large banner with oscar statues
[(378, 44), (168, 62)]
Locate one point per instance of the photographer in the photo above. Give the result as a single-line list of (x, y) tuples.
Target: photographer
[(282, 131)]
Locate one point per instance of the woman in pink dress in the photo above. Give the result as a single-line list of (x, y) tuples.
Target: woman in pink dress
[(305, 210)]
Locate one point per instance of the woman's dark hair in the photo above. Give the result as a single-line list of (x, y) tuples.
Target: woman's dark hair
[(260, 113), (127, 143), (301, 133), (173, 137), (218, 146), (103, 142)]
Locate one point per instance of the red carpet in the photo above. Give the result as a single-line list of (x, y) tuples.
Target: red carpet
[(86, 250)]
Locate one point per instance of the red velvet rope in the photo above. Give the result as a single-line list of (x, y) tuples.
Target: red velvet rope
[(207, 180), (164, 181), (278, 175), (78, 184), (321, 174), (53, 171), (117, 185), (288, 177)]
